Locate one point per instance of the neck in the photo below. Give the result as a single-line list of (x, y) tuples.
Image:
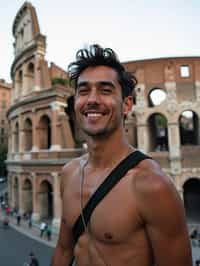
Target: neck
[(106, 152)]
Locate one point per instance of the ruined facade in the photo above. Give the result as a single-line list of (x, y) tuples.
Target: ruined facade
[(164, 121), (40, 140)]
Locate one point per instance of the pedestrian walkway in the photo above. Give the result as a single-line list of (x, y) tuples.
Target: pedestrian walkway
[(33, 232)]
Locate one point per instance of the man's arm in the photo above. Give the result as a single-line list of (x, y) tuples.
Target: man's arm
[(64, 248), (163, 213)]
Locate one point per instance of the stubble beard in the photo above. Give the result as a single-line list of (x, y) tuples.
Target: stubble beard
[(99, 134), (102, 133)]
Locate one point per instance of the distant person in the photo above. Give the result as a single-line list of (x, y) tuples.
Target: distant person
[(29, 216), (7, 210), (197, 262), (18, 219), (6, 222), (42, 228), (33, 260), (49, 232)]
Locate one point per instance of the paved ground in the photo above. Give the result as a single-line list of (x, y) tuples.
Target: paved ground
[(17, 242), (33, 232), (15, 248)]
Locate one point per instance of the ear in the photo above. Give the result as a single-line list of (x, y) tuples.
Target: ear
[(127, 105)]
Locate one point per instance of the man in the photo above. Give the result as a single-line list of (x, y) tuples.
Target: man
[(33, 260), (141, 221)]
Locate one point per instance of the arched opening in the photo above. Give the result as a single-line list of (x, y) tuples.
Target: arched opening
[(158, 133), (22, 37), (16, 137), (189, 128), (44, 131), (19, 83), (30, 76), (191, 193), (156, 97), (27, 193), (69, 110), (16, 193), (46, 200), (28, 135)]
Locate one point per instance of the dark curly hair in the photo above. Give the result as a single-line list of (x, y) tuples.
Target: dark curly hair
[(94, 56)]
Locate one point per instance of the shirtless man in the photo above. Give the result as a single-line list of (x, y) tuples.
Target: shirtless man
[(141, 221)]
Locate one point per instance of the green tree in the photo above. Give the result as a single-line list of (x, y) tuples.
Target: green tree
[(61, 81)]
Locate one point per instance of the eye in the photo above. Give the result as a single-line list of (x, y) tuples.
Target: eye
[(106, 90), (82, 90)]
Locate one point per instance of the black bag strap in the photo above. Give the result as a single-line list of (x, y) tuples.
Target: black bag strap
[(112, 179)]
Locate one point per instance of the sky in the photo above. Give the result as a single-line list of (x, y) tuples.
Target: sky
[(134, 29)]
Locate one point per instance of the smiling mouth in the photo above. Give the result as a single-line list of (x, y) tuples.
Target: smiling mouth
[(94, 115)]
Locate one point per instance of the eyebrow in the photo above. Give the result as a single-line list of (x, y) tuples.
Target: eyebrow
[(102, 82), (82, 83)]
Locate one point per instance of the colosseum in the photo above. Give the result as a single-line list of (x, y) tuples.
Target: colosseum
[(164, 122)]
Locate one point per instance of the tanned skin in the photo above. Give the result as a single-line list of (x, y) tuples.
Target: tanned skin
[(141, 221)]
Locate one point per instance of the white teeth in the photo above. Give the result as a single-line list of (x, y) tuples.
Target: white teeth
[(93, 115)]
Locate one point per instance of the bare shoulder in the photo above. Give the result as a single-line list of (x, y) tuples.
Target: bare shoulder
[(149, 178), (70, 170), (155, 192)]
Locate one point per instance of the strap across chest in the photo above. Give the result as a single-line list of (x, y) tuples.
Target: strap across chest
[(112, 179)]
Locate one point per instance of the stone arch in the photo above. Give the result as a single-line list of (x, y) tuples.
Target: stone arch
[(30, 76), (44, 132), (27, 194), (189, 127), (191, 194), (16, 137), (16, 193), (157, 132), (28, 135), (46, 200), (156, 97)]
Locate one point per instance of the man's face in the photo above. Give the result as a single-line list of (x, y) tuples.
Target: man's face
[(99, 106)]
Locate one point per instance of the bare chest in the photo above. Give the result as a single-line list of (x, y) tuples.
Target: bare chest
[(114, 220)]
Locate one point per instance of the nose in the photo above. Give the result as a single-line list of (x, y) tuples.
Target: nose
[(93, 96)]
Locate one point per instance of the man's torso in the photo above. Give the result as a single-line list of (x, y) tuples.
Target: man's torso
[(116, 232)]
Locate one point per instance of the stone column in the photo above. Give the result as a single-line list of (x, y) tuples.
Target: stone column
[(15, 200), (142, 137), (37, 76), (131, 131), (21, 135), (9, 134), (174, 147), (55, 126), (141, 100), (197, 85), (56, 200), (35, 144), (25, 80), (171, 96), (35, 214), (21, 207), (68, 139), (10, 190)]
